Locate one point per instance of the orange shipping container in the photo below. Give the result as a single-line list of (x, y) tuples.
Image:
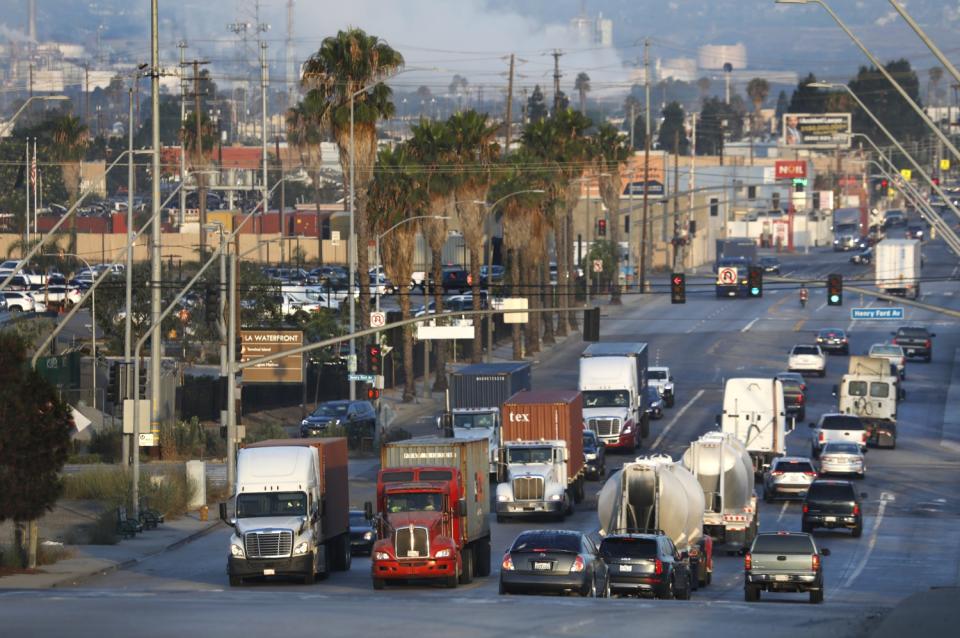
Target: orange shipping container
[(547, 415)]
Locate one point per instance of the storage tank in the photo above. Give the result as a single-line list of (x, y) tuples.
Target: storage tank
[(649, 494), (715, 453)]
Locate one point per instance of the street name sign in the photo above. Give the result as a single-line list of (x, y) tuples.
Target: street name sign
[(876, 313)]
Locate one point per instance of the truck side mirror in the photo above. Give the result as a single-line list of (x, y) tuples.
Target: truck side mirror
[(368, 510), (223, 515), (439, 424), (446, 424), (462, 507), (717, 420), (671, 376), (835, 390), (811, 425)]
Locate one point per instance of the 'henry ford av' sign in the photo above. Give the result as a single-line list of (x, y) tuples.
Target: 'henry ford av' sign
[(260, 343)]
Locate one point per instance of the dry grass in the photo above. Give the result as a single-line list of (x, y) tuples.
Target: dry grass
[(168, 492)]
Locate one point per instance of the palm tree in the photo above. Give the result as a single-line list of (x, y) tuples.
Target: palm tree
[(199, 152), (934, 74), (757, 90), (611, 149), (582, 86), (70, 138), (474, 151), (353, 63), (305, 123), (397, 193), (431, 144)]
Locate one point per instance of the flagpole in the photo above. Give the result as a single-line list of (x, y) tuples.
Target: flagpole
[(33, 178), (26, 185)]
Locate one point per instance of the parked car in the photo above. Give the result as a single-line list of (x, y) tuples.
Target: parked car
[(916, 341), (831, 503), (362, 534), (783, 562), (833, 340), (495, 275), (454, 278), (646, 564), (655, 403), (770, 264), (19, 301), (788, 476), (352, 415), (554, 560), (894, 354), (837, 427), (594, 455), (807, 358), (842, 457), (915, 231)]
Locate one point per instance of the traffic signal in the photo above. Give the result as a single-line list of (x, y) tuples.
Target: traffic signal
[(591, 324), (835, 289), (601, 228), (816, 200), (678, 288), (113, 384), (755, 281), (374, 359), (211, 303), (373, 394)]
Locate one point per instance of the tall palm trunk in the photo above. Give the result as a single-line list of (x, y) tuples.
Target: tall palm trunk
[(530, 286), (571, 286), (514, 287), (409, 388), (436, 238), (560, 299), (547, 299)]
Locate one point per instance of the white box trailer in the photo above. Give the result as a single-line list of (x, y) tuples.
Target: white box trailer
[(897, 264), (754, 412)]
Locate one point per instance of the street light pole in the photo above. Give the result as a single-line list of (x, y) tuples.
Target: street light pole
[(8, 125), (156, 351), (926, 40)]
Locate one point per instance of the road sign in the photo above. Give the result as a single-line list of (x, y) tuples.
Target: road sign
[(876, 313), (351, 363), (513, 303), (259, 343), (334, 238), (444, 332), (944, 165), (366, 378), (143, 415), (906, 173), (727, 276), (378, 319), (148, 439), (597, 265)]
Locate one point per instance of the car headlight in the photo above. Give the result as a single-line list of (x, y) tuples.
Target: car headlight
[(304, 423), (236, 551), (627, 430), (368, 536), (555, 497), (301, 548), (590, 456), (381, 556), (503, 498), (443, 553)]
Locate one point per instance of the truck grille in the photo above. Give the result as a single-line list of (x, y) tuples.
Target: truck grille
[(270, 544), (412, 542), (528, 488), (605, 427)]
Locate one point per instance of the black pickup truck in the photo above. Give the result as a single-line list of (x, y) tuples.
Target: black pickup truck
[(917, 342)]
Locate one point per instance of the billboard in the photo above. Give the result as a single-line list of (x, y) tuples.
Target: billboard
[(790, 169), (260, 343), (816, 130)]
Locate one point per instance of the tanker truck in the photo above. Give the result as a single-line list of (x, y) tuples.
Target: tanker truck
[(656, 494), (724, 469)]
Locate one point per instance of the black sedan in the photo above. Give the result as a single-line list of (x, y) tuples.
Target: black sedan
[(595, 455), (864, 257), (654, 403), (362, 534), (833, 340), (770, 264), (646, 564), (356, 417), (554, 560)]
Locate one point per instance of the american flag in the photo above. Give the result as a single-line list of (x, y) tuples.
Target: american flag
[(33, 170)]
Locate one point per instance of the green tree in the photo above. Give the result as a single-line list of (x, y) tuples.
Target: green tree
[(807, 99), (886, 103), (711, 128), (536, 105), (673, 123), (34, 443), (782, 105), (611, 150), (635, 106), (757, 90), (354, 64), (70, 139)]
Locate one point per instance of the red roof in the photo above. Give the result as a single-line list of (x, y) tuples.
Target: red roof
[(241, 157)]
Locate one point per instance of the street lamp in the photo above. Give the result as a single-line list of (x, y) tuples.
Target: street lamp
[(8, 125), (873, 60), (926, 40), (949, 236)]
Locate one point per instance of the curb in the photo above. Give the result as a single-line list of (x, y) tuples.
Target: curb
[(76, 578)]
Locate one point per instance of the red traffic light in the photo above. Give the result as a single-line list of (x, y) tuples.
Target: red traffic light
[(373, 394), (677, 280)]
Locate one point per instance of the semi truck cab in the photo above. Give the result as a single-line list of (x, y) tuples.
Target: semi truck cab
[(479, 423), (536, 479)]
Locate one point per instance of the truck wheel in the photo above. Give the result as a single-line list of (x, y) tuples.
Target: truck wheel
[(751, 593), (310, 577), (816, 596), (379, 583), (685, 593), (236, 581), (670, 400), (450, 582), (482, 560), (644, 427), (466, 571)]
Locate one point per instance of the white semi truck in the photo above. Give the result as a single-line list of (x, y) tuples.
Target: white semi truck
[(724, 469), (613, 380), (897, 264), (754, 413)]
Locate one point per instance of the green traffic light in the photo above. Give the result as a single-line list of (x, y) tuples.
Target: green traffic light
[(834, 298), (754, 291)]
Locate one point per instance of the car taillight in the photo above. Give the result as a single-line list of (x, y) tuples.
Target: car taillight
[(926, 344), (776, 473), (806, 508), (577, 564), (507, 564), (809, 474), (856, 510), (822, 437), (800, 399), (815, 562), (747, 562), (658, 567)]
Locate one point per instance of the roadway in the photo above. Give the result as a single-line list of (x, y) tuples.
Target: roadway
[(909, 542)]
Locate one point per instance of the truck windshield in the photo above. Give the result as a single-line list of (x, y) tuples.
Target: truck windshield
[(529, 455), (271, 504), (606, 399), (414, 502), (657, 375), (471, 421)]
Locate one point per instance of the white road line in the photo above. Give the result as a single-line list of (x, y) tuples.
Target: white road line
[(750, 325), (783, 510), (885, 498), (821, 307), (673, 421)]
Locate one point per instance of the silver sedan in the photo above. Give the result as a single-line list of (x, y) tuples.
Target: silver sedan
[(842, 457)]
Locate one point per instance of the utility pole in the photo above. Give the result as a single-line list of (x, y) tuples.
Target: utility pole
[(691, 182), (182, 45), (31, 79), (646, 168), (263, 133), (128, 276), (291, 73), (556, 79), (198, 153), (509, 118), (676, 197), (283, 205), (86, 94)]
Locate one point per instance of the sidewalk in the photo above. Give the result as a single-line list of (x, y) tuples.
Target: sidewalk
[(90, 560)]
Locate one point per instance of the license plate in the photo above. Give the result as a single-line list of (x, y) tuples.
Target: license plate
[(412, 553), (830, 519), (911, 351), (269, 572), (541, 565), (781, 577), (626, 568)]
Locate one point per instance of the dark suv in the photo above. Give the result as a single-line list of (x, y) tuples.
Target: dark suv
[(646, 564), (794, 396), (833, 504), (916, 342), (358, 418), (783, 562), (594, 454)]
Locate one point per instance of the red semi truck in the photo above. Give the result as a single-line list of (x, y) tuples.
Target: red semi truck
[(433, 506)]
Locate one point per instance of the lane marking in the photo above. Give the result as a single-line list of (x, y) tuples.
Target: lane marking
[(885, 497), (783, 510), (797, 326), (674, 420), (750, 325), (821, 307)]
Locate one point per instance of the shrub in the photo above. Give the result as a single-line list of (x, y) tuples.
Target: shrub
[(107, 444), (264, 431), (168, 492)]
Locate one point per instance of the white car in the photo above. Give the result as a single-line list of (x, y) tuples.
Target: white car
[(18, 301), (807, 358), (837, 428), (892, 353), (842, 457), (660, 378), (788, 476)]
